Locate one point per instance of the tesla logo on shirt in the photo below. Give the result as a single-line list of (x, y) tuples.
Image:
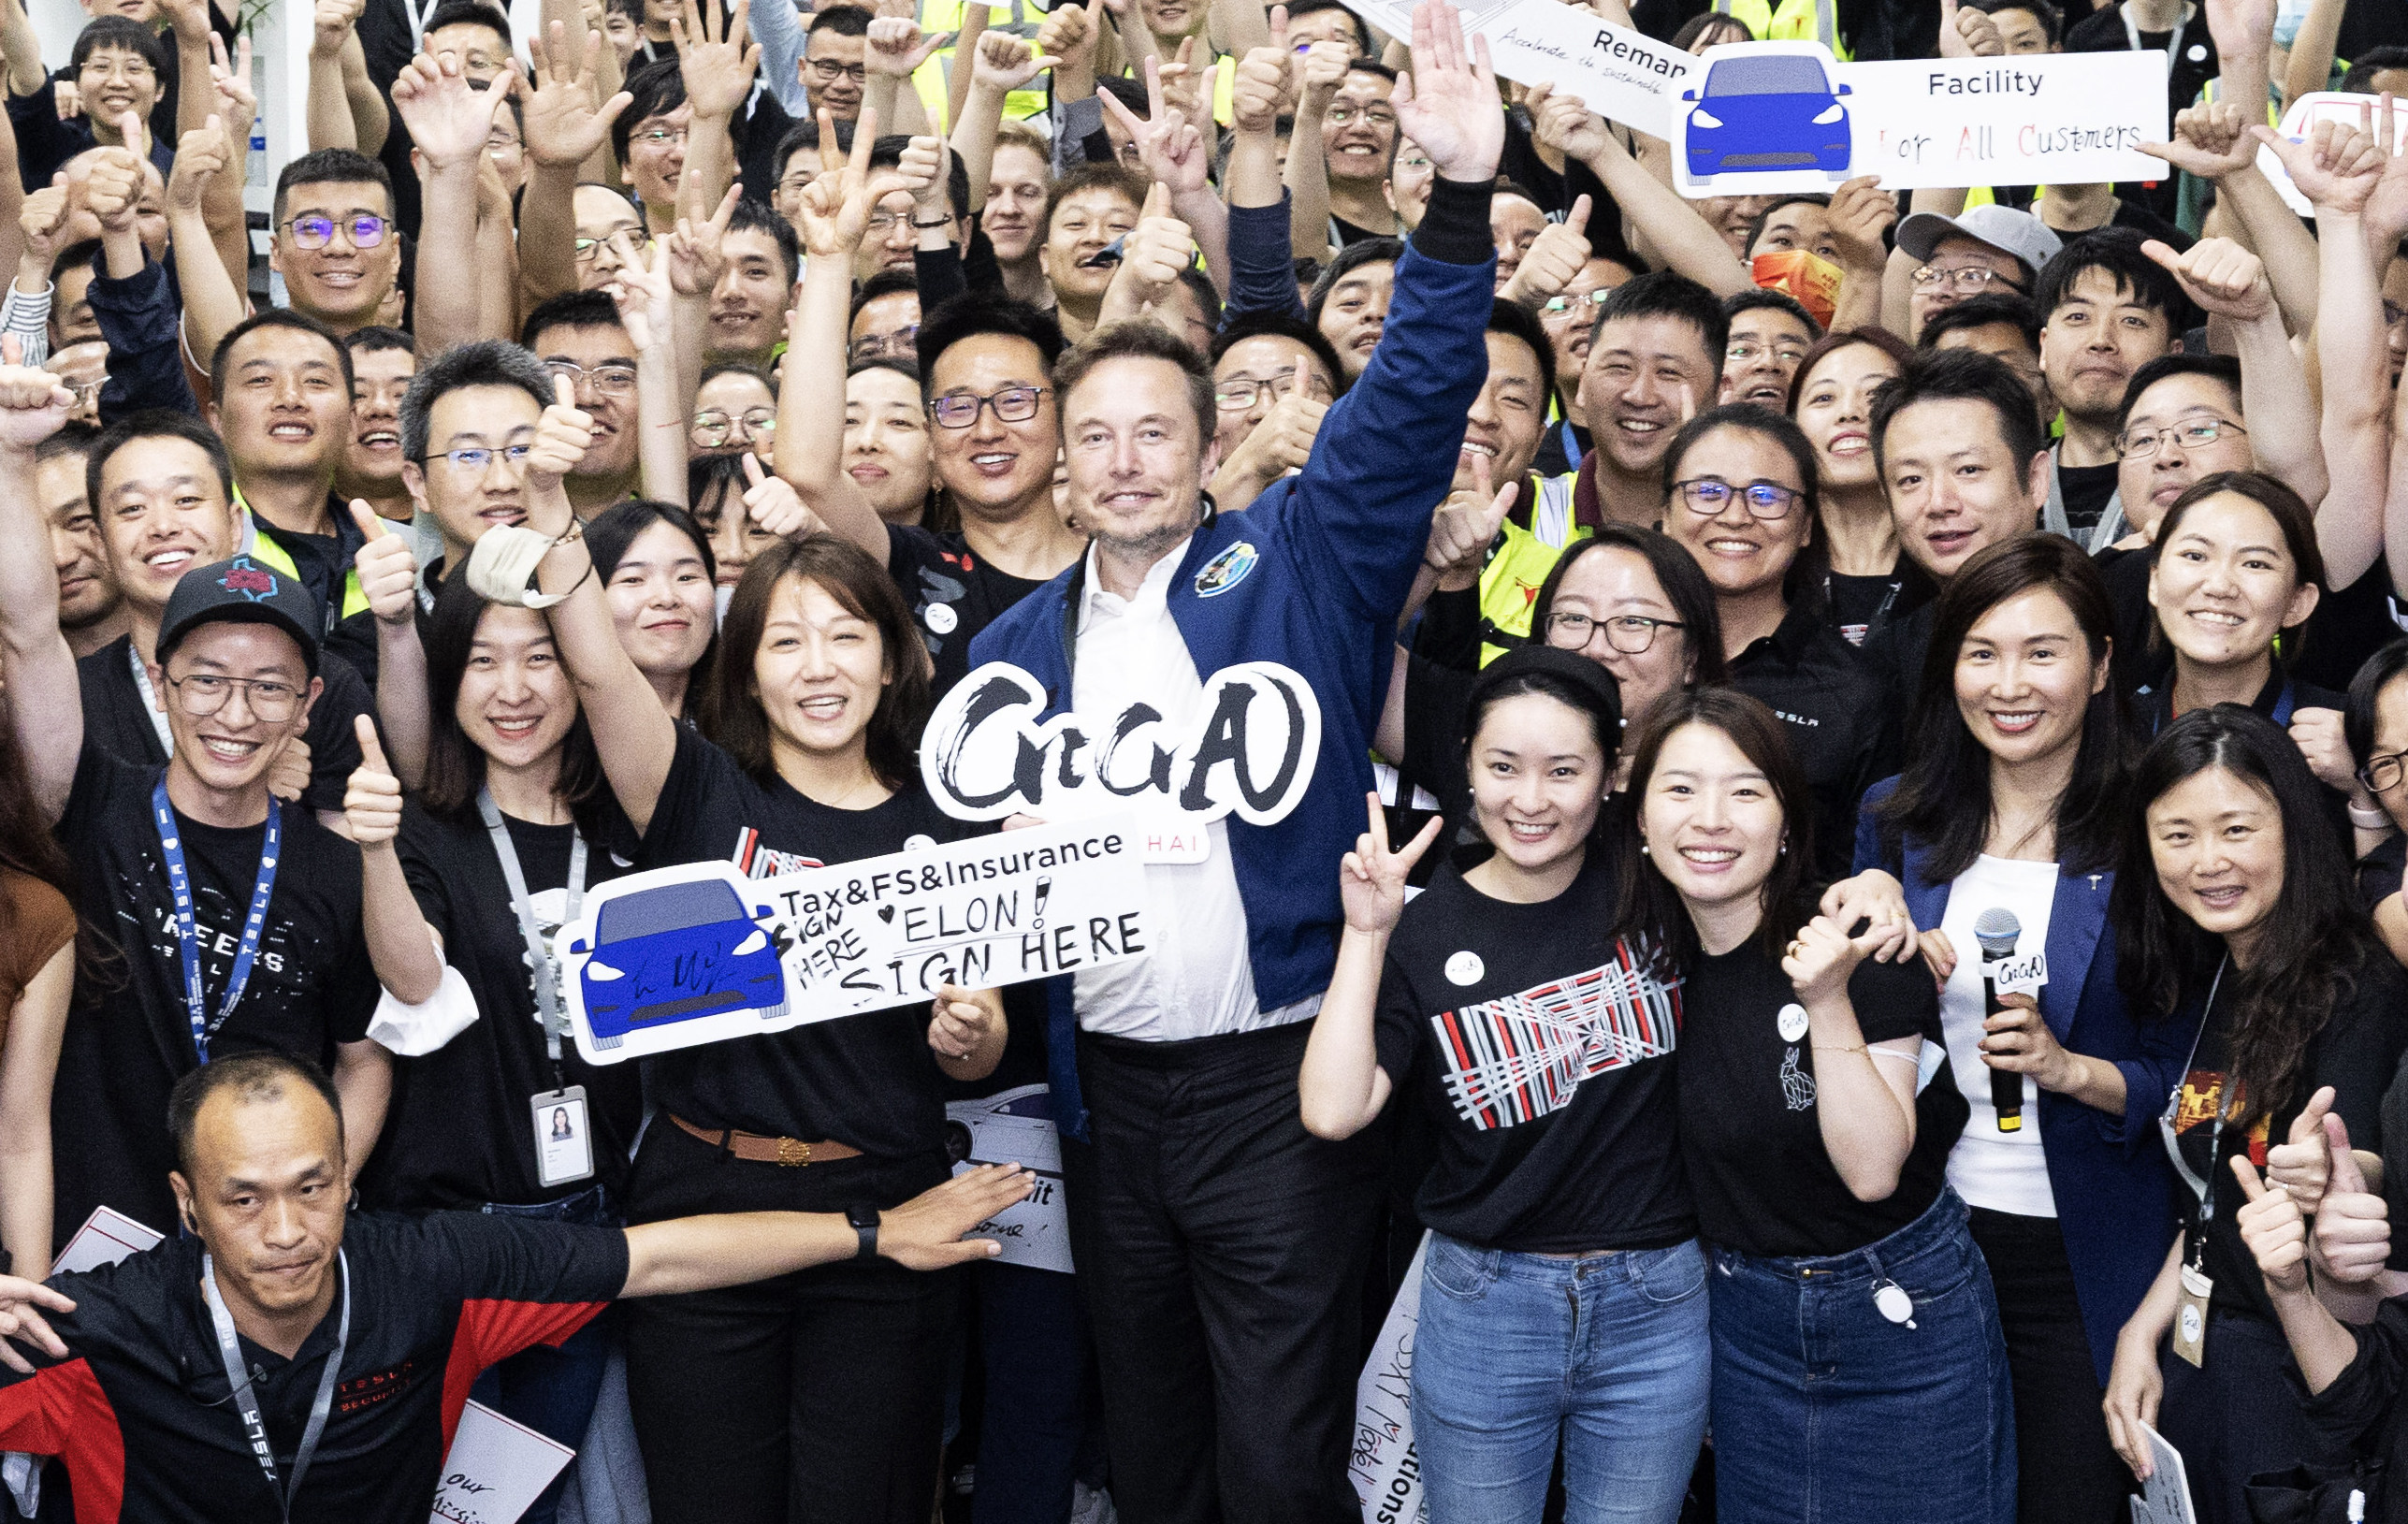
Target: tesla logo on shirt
[(1250, 750)]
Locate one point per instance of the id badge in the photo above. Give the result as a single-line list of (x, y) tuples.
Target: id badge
[(564, 1146), (2191, 1315)]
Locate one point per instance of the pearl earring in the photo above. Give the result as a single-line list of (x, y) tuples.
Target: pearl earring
[(1643, 849)]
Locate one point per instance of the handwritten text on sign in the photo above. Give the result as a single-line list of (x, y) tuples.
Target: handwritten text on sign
[(1624, 75), (699, 954)]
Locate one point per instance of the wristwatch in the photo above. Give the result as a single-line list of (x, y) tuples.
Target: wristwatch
[(865, 1221)]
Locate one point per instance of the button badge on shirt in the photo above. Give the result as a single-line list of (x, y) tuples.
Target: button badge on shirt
[(1792, 1022), (1465, 968)]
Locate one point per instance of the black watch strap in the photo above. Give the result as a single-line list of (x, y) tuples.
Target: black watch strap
[(865, 1221)]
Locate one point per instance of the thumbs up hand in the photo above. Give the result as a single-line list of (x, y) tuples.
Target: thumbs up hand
[(2270, 1225), (2353, 1236), (371, 805), (2303, 1164), (388, 573)]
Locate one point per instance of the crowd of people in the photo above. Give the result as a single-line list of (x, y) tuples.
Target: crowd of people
[(1837, 914)]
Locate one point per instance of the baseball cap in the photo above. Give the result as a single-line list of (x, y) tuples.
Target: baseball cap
[(240, 591), (2018, 233)]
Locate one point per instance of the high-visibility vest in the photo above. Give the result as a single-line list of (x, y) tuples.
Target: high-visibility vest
[(260, 544), (1522, 557), (1793, 21), (934, 78)]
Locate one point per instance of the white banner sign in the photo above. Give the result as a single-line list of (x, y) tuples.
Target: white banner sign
[(496, 1469), (1384, 1466), (2302, 117), (1017, 1128), (698, 954), (1624, 75)]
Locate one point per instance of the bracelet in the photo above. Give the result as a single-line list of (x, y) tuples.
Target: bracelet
[(940, 221), (2369, 819), (1838, 1047)]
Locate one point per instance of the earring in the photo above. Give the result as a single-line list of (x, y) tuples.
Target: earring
[(1643, 849), (1785, 849)]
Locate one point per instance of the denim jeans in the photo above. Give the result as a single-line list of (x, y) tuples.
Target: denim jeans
[(1826, 1412), (1609, 1351), (553, 1390)]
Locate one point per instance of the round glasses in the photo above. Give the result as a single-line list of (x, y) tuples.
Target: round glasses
[(713, 428), (1629, 634), (1706, 496), (204, 693), (314, 230)]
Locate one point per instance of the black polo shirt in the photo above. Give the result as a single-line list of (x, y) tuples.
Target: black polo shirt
[(1832, 706), (138, 1410)]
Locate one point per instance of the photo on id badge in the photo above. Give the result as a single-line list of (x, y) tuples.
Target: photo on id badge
[(563, 1143)]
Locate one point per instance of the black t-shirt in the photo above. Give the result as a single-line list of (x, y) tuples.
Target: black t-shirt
[(2086, 489), (129, 1037), (953, 594), (1750, 1125), (1831, 708), (2379, 876), (120, 720), (2142, 658), (1543, 1059), (2356, 1052), (1856, 606), (143, 1396), (870, 1081), (459, 1132), (2349, 625)]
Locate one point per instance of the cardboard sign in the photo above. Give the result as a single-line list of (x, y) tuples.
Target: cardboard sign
[(2166, 1497), (1383, 1464), (699, 954), (496, 1469), (1785, 116), (2305, 113), (105, 1237), (1623, 75), (1017, 1128)]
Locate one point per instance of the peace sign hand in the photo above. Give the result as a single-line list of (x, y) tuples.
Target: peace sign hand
[(834, 210), (1371, 879)]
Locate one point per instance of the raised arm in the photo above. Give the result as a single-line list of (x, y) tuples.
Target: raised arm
[(23, 46), (696, 265), (401, 947), (894, 47), (2213, 142), (1342, 1087), (1003, 63), (331, 124), (564, 127), (2276, 1234), (1867, 1100), (644, 301), (42, 697), (388, 578), (1307, 175), (449, 122), (1685, 240), (1178, 156), (212, 303), (718, 69)]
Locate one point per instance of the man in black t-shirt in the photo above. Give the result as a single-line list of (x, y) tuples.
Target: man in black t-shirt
[(2106, 311), (279, 1352)]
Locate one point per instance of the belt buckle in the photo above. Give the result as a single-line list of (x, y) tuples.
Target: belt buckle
[(793, 1153)]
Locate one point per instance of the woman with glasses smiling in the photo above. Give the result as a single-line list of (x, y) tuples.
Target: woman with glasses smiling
[(735, 410)]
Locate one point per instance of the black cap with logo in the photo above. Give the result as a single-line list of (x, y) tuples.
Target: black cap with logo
[(240, 591)]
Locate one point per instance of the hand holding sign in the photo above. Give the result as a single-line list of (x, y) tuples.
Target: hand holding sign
[(1967, 33), (2353, 1238), (2220, 275), (962, 1020), (2273, 1230)]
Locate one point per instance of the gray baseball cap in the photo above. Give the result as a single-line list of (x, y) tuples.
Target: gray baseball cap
[(2004, 228)]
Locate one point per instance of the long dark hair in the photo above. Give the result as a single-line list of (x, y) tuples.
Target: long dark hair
[(2293, 519), (1943, 799), (455, 764), (609, 535), (1654, 917), (1685, 588), (731, 713), (2283, 998)]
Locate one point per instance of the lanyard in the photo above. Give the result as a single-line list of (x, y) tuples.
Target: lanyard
[(151, 699), (2199, 1185), (2173, 43), (419, 17), (539, 957), (247, 1399), (171, 846), (2283, 705)]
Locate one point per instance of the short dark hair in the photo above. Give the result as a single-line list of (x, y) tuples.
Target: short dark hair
[(377, 339), (1308, 8), (1759, 298), (571, 310), (330, 166), (843, 20), (257, 1076), (126, 32), (2117, 252), (1089, 177), (968, 316), (736, 368), (657, 89), (2051, 20), (156, 423), (800, 135), (1277, 325), (731, 708), (1697, 26), (1964, 375), (454, 12), (752, 215), (2222, 368), (1751, 418), (1756, 229), (1140, 339), (455, 767), (2359, 81), (1349, 259), (1663, 293), (1838, 338), (2365, 694), (1675, 571), (75, 439), (1373, 66), (888, 152), (2011, 307), (274, 317), (485, 362), (1516, 320)]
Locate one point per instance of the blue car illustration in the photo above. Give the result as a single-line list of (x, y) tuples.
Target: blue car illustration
[(1767, 111), (675, 952)]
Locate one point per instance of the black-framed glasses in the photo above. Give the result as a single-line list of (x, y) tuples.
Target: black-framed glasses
[(2382, 773), (902, 345), (2140, 444), (473, 459), (1629, 634), (586, 247), (610, 379), (1013, 404), (204, 693), (830, 71), (1706, 496), (1238, 393), (316, 230), (715, 426), (1969, 279)]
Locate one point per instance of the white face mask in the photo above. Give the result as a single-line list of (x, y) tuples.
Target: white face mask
[(2288, 17)]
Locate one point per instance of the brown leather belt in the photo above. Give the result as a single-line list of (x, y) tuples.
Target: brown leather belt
[(761, 1149)]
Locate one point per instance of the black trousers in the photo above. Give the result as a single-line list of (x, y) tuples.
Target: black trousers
[(1220, 1252), (2067, 1471), (816, 1397), (2239, 1414)]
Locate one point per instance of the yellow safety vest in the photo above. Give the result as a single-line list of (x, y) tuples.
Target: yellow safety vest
[(264, 548), (934, 79), (1795, 20), (1522, 557)]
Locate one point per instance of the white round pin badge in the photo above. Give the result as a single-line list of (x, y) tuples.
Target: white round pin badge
[(941, 618), (1465, 968), (1792, 1022), (2199, 52), (919, 843)]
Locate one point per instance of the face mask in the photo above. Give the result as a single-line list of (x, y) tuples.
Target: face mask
[(1804, 274), (2288, 18)]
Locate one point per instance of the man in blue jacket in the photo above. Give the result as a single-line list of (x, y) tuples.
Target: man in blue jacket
[(1203, 666)]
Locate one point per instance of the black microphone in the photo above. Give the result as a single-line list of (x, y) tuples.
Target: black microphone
[(1997, 929)]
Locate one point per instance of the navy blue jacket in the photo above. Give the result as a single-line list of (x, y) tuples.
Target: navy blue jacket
[(1335, 551), (2113, 1185)]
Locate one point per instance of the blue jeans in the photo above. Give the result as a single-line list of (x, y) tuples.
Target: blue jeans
[(553, 1390), (1608, 1351), (1825, 1411)]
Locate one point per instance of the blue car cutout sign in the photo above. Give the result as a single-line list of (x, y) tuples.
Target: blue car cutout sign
[(677, 951), (1766, 112)]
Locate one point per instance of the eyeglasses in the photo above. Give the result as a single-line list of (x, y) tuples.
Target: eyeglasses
[(1377, 116), (1969, 278), (85, 390), (882, 222), (1707, 496), (660, 137), (586, 247), (1745, 352), (611, 380), (2382, 773), (1559, 308), (132, 70), (712, 427), (314, 230), (1413, 160), (830, 71), (1013, 404), (500, 138), (2140, 444), (1238, 393), (795, 184), (902, 345), (472, 460), (204, 693), (1629, 633)]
